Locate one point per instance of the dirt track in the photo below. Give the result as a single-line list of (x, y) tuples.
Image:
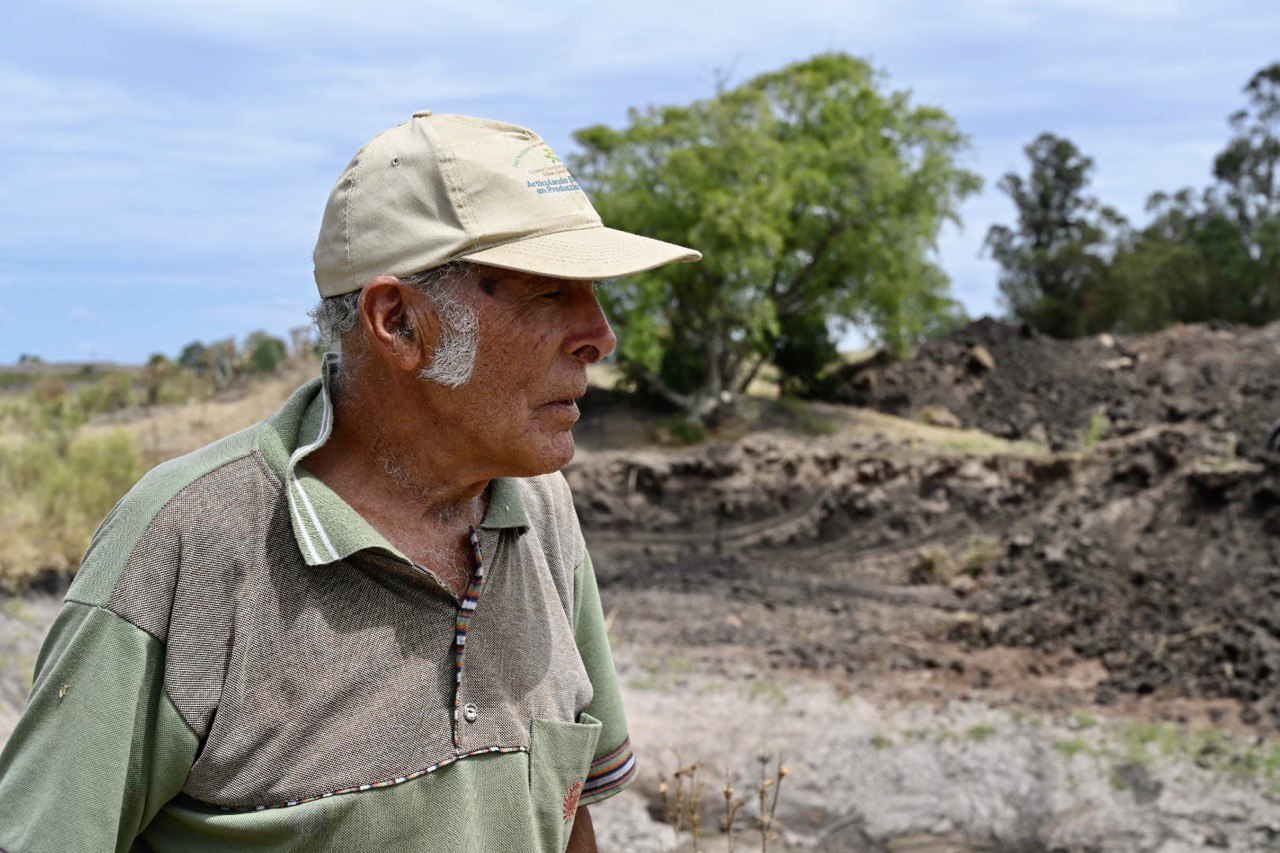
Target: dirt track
[(1152, 557)]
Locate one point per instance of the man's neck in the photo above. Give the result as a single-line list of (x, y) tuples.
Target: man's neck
[(381, 466)]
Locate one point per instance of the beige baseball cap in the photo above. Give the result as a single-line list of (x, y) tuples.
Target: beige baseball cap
[(440, 188)]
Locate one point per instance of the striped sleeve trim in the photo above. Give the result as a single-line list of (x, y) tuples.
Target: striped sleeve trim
[(609, 774)]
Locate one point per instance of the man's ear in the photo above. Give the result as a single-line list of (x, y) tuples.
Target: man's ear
[(399, 322)]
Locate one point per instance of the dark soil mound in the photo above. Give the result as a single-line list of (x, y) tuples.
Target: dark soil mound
[(1157, 554), (1010, 381), (1164, 565)]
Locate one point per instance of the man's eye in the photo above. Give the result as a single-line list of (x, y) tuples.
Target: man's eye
[(552, 295)]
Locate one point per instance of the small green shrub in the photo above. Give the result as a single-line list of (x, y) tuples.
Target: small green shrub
[(112, 393), (678, 429), (980, 553), (978, 734), (1071, 747), (1098, 429), (933, 566), (264, 352)]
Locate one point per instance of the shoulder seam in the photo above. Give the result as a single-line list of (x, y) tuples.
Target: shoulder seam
[(164, 688), (119, 616), (145, 529), (256, 453)]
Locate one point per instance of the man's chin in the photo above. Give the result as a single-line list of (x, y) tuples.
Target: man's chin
[(551, 455)]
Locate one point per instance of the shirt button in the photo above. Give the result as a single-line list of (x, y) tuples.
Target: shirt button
[(470, 712)]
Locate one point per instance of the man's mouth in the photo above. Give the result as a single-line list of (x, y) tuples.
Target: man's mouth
[(566, 405)]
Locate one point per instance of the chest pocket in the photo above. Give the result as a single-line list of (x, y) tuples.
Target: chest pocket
[(559, 758)]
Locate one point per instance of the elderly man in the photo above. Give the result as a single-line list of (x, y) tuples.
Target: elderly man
[(368, 623)]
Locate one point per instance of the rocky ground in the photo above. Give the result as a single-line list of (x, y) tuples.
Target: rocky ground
[(1025, 597)]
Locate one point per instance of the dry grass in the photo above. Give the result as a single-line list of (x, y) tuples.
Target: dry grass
[(60, 476), (164, 432), (55, 496), (970, 442)]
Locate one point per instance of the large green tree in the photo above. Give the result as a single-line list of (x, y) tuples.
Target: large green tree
[(1053, 261), (815, 196)]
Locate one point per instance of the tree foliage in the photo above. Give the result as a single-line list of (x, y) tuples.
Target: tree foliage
[(1072, 267), (815, 196), (1216, 256), (264, 352), (1054, 259)]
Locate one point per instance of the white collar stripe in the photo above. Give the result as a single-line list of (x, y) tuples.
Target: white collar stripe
[(306, 535), (315, 520)]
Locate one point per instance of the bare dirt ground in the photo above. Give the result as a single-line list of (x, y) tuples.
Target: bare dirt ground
[(1010, 381), (1019, 632), (890, 617)]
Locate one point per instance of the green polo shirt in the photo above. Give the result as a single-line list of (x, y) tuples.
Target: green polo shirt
[(243, 663)]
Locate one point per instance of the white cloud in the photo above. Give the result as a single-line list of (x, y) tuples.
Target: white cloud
[(82, 315)]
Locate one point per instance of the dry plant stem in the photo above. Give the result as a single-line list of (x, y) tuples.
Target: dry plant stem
[(695, 808), (667, 807), (731, 807), (680, 774), (764, 818), (767, 815), (782, 773), (677, 806)]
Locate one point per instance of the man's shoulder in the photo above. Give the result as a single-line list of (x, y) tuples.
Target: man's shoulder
[(548, 503), (174, 495), (546, 494)]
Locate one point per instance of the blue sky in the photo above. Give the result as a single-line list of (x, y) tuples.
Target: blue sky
[(167, 162)]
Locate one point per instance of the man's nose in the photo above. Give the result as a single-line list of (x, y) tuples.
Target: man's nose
[(595, 338)]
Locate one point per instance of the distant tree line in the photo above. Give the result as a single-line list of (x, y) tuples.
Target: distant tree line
[(223, 361), (1073, 266)]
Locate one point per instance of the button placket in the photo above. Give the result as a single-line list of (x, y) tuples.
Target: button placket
[(466, 711)]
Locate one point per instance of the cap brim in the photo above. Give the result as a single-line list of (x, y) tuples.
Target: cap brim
[(587, 253)]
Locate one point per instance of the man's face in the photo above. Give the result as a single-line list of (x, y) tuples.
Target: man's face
[(537, 336)]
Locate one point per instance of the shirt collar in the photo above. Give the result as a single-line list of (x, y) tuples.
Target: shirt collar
[(327, 528)]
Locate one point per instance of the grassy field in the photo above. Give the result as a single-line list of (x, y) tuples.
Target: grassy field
[(72, 444)]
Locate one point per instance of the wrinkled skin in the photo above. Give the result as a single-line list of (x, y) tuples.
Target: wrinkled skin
[(537, 336)]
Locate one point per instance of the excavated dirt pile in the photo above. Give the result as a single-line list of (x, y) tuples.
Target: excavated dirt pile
[(1157, 555), (1163, 562), (1010, 381)]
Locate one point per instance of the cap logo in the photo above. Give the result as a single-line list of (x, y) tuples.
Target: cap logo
[(545, 175)]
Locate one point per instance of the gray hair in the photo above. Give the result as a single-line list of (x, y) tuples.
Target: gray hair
[(454, 360)]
